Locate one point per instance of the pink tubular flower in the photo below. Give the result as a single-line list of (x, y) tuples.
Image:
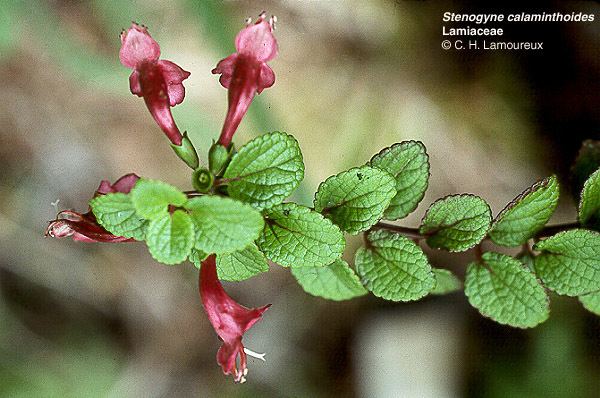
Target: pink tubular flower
[(84, 227), (246, 73), (229, 319), (158, 81)]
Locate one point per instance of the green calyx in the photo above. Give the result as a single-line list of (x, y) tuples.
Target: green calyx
[(202, 180), (218, 157), (187, 152)]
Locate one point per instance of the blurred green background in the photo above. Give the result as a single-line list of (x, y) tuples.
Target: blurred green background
[(83, 320)]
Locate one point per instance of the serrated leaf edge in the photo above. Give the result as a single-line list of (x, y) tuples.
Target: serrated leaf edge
[(324, 211), (372, 248), (393, 146), (543, 183), (480, 263), (257, 140), (580, 205), (451, 196)]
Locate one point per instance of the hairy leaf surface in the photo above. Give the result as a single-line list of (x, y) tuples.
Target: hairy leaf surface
[(394, 267), (526, 214), (355, 199), (266, 170), (505, 291), (456, 223), (336, 281), (570, 262), (408, 163), (296, 236)]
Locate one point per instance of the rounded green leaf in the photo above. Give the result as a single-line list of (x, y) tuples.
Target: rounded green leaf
[(115, 212), (170, 237), (591, 302), (587, 161), (526, 214), (296, 236), (266, 170), (505, 291), (355, 199), (336, 281), (445, 282), (456, 223), (151, 198), (570, 262), (408, 163), (222, 224), (242, 264), (589, 205), (394, 267)]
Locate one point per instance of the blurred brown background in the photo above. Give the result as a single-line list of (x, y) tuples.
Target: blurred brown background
[(97, 320)]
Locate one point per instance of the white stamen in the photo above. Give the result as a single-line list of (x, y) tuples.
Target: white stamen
[(55, 204), (248, 21), (255, 354)]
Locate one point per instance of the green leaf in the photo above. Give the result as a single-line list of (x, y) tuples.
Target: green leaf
[(355, 199), (589, 205), (197, 256), (587, 161), (394, 267), (408, 162), (336, 281), (170, 237), (242, 264), (222, 224), (151, 198), (115, 212), (445, 282), (266, 170), (296, 236), (526, 214), (456, 223), (505, 291), (591, 302), (570, 262)]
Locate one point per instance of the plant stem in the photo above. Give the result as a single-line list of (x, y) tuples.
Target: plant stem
[(415, 234), (479, 253), (554, 229), (191, 194), (406, 231)]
